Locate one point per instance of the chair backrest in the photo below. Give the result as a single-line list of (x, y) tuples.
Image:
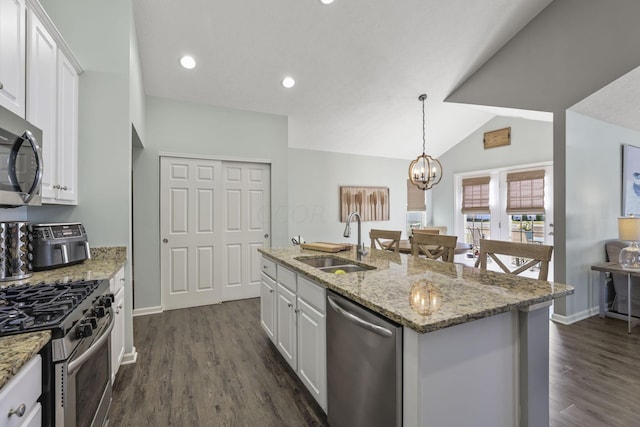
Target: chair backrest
[(425, 231), (529, 254), (385, 239), (434, 246)]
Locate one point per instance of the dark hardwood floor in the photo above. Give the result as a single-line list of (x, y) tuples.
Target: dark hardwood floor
[(594, 374), (209, 366), (214, 366)]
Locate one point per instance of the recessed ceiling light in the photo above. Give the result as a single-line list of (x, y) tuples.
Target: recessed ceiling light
[(288, 82), (326, 1), (188, 62)]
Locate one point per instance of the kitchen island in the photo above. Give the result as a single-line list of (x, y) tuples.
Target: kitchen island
[(476, 353)]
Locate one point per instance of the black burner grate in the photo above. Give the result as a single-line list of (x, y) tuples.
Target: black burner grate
[(30, 307)]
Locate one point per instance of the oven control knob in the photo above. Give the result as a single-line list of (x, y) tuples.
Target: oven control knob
[(83, 330), (106, 301), (98, 311), (93, 321)]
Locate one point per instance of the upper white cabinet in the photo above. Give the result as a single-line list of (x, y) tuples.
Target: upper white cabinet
[(12, 55), (66, 147), (52, 105)]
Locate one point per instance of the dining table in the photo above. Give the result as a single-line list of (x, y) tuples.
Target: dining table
[(405, 247)]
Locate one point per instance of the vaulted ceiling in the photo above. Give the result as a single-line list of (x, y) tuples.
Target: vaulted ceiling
[(359, 65)]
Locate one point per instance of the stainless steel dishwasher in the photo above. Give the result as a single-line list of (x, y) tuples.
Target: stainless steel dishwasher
[(364, 366)]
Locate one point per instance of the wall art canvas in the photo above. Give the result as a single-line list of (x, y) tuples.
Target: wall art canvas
[(630, 180), (372, 203)]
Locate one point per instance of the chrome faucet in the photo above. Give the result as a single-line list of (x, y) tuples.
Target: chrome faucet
[(347, 233)]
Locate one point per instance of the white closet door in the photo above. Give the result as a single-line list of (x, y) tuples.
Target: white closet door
[(246, 226), (214, 216), (190, 234)]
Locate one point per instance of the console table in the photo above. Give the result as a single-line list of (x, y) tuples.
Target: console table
[(612, 267)]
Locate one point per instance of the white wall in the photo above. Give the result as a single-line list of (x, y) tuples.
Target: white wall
[(594, 171), (531, 142), (195, 129), (314, 192)]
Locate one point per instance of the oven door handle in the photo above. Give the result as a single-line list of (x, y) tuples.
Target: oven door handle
[(74, 365)]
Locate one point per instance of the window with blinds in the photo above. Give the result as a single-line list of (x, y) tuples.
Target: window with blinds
[(525, 192), (475, 195), (415, 198)]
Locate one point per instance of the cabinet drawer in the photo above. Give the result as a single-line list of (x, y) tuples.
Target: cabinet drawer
[(268, 280), (287, 278), (25, 388), (312, 293), (269, 268)]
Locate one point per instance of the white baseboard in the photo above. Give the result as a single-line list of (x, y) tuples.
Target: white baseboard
[(146, 311), (130, 358), (568, 320)]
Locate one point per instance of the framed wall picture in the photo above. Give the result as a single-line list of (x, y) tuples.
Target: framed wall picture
[(630, 180), (372, 203)]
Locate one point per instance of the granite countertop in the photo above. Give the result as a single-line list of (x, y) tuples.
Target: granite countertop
[(16, 350), (459, 294), (104, 264)]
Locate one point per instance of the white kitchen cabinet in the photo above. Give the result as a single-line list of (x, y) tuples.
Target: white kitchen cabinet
[(116, 285), (287, 335), (12, 54), (66, 146), (312, 339), (52, 106), (42, 100), (268, 306), (297, 312), (19, 406)]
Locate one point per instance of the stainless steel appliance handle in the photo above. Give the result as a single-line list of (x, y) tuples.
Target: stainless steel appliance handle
[(358, 321), (36, 149), (63, 252), (87, 251), (77, 363)]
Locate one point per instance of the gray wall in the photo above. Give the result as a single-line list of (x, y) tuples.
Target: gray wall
[(194, 129), (99, 36), (531, 142), (314, 192), (594, 202), (570, 50)]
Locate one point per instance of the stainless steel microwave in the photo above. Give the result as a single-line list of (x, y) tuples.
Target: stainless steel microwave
[(20, 161)]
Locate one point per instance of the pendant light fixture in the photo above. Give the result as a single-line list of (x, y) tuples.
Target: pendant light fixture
[(424, 171)]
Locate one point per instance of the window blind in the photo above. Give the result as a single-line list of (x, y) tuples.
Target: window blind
[(415, 198), (525, 192), (475, 195)]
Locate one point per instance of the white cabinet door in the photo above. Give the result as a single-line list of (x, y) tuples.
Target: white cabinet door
[(67, 156), (312, 352), (42, 99), (12, 55), (268, 306), (287, 335), (117, 334)]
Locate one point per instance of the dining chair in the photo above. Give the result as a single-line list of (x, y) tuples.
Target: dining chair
[(530, 253), (434, 246), (385, 239)]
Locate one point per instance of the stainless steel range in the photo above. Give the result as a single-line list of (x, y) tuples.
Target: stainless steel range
[(76, 363)]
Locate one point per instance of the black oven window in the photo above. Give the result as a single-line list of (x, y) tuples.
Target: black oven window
[(91, 380)]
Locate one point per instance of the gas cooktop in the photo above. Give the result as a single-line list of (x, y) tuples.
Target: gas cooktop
[(26, 308)]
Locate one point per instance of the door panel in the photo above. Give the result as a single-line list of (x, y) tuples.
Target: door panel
[(190, 236), (247, 189)]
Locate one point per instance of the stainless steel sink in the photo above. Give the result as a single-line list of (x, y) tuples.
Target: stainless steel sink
[(330, 264)]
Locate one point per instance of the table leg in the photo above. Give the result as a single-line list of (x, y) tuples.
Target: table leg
[(629, 302), (603, 294)]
